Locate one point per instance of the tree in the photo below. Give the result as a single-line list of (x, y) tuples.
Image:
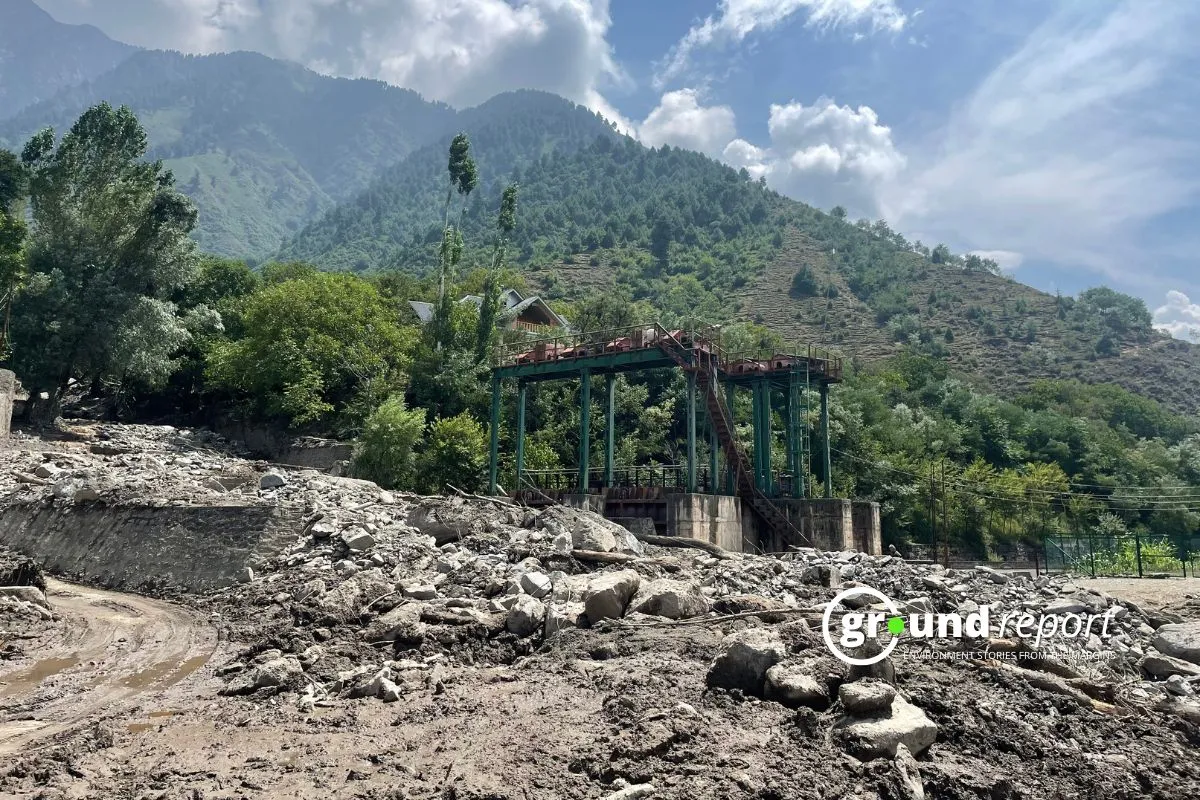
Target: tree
[(384, 452), (454, 455), (506, 222), (14, 183), (313, 349), (941, 255), (464, 177), (109, 246)]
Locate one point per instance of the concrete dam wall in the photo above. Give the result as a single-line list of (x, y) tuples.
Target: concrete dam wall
[(142, 547)]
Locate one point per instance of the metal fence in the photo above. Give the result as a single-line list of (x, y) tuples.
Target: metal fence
[(1126, 556)]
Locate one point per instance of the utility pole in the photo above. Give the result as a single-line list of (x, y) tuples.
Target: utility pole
[(945, 520), (932, 512)]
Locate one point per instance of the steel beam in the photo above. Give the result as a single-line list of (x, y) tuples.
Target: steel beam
[(494, 449), (827, 465), (521, 390), (731, 404), (585, 430), (691, 432), (610, 422)]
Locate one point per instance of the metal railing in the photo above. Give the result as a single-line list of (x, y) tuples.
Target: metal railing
[(1132, 555), (704, 340)]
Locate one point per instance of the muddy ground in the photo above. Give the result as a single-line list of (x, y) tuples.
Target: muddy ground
[(265, 689)]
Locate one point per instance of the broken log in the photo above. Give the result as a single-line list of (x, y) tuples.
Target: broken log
[(683, 541)]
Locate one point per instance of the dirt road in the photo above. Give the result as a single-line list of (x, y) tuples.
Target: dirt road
[(105, 656)]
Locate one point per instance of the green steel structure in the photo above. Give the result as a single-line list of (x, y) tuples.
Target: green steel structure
[(782, 382)]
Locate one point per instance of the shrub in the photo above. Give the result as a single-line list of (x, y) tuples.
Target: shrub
[(455, 453), (384, 451)]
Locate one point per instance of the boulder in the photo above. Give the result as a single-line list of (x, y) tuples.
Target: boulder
[(272, 480), (28, 594), (866, 697), (1158, 666), (561, 616), (526, 617), (671, 599), (793, 686), (536, 584), (880, 736), (609, 593), (1179, 640), (419, 591), (744, 660), (992, 575), (277, 672), (357, 539), (402, 625)]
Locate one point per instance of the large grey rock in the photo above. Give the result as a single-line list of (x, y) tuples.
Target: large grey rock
[(880, 736), (793, 686), (866, 697), (744, 660), (608, 594), (526, 616), (1156, 665), (29, 594), (358, 539), (671, 599), (536, 584), (561, 616), (277, 672), (272, 480), (1180, 640), (401, 625)]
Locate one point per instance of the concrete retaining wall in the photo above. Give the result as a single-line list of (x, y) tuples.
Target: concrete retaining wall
[(132, 547), (711, 518)]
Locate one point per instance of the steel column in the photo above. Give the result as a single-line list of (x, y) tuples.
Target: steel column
[(691, 432), (494, 449), (767, 484), (521, 390), (713, 463), (610, 421), (827, 464), (730, 403), (585, 430)]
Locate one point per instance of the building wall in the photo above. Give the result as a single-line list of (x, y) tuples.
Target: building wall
[(868, 532), (716, 519)]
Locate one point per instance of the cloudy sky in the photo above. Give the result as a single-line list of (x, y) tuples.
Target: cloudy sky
[(1056, 136)]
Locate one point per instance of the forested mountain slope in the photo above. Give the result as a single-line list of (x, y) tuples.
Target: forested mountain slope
[(261, 145), (698, 239), (39, 56)]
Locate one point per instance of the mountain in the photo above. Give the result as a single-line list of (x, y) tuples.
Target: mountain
[(262, 146), (698, 239), (39, 56), (390, 222)]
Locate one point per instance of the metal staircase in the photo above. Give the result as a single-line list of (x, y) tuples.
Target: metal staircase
[(703, 363)]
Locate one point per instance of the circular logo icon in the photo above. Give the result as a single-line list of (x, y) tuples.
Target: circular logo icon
[(888, 604)]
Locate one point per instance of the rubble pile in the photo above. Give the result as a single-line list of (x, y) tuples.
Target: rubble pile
[(24, 610), (392, 600)]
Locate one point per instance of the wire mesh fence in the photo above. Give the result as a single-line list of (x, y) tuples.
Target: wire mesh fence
[(1133, 555)]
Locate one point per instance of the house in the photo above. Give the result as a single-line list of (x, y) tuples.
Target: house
[(519, 313)]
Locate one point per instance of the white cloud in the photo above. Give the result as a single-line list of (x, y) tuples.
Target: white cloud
[(1179, 317), (680, 120), (824, 154), (737, 19), (1071, 145), (458, 51)]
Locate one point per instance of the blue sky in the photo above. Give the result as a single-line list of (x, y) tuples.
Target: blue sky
[(1056, 136)]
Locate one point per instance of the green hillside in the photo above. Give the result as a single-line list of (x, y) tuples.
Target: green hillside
[(261, 145), (696, 238)]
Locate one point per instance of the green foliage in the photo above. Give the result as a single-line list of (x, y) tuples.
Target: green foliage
[(804, 284), (314, 349), (385, 450), (109, 247), (455, 454)]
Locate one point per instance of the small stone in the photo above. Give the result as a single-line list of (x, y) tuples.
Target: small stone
[(387, 690), (992, 575), (272, 480), (48, 470), (322, 530), (277, 672), (866, 697), (908, 774), (536, 584)]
